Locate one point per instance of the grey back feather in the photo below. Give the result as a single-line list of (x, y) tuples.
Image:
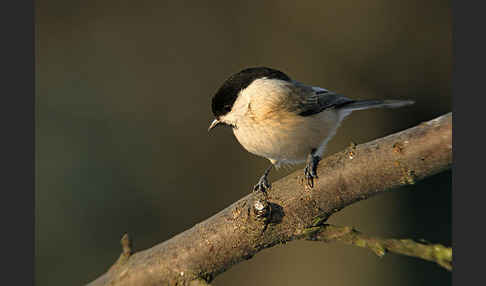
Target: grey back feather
[(319, 102), (315, 100)]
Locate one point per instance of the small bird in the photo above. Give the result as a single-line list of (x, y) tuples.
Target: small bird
[(283, 120)]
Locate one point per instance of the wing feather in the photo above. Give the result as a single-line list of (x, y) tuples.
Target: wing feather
[(314, 100)]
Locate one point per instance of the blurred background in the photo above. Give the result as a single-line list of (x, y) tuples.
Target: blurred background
[(123, 106)]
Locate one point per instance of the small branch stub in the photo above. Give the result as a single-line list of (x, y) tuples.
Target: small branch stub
[(126, 245)]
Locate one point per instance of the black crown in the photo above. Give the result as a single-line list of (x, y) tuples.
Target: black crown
[(225, 97)]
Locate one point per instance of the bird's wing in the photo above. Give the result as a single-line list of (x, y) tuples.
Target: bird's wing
[(314, 99)]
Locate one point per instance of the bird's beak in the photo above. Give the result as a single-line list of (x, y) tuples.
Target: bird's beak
[(214, 124)]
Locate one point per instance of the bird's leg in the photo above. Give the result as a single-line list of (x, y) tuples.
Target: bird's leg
[(263, 183), (311, 168)]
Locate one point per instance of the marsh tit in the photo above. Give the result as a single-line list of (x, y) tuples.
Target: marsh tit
[(284, 120)]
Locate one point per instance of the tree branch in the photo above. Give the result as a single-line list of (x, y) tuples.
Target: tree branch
[(256, 222)]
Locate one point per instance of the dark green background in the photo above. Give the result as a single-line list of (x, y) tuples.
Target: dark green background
[(123, 106)]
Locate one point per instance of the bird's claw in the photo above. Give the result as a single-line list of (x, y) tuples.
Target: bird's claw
[(263, 185), (309, 176), (310, 171)]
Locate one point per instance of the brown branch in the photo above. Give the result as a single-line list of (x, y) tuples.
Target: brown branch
[(256, 222), (421, 249)]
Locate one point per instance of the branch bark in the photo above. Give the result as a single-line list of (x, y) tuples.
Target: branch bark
[(288, 212)]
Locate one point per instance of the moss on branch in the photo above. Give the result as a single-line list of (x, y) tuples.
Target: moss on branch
[(437, 253)]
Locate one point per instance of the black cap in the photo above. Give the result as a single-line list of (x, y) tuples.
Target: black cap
[(225, 97)]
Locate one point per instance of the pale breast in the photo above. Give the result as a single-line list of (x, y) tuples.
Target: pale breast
[(286, 138)]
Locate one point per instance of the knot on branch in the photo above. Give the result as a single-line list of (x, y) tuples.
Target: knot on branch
[(261, 208), (268, 211)]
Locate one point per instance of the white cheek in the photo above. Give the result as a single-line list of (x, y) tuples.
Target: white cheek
[(238, 112)]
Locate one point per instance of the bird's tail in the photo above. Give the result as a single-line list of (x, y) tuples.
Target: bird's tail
[(365, 104)]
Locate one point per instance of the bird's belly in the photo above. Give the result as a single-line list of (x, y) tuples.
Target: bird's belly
[(271, 145), (282, 142)]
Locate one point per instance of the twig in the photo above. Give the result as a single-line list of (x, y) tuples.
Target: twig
[(421, 249)]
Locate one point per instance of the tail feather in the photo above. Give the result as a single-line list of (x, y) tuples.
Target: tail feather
[(365, 104)]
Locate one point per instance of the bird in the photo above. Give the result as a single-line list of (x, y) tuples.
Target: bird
[(284, 120)]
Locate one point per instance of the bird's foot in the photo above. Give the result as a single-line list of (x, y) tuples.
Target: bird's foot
[(311, 169), (263, 185)]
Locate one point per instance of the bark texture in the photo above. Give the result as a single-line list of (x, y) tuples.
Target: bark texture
[(291, 209)]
